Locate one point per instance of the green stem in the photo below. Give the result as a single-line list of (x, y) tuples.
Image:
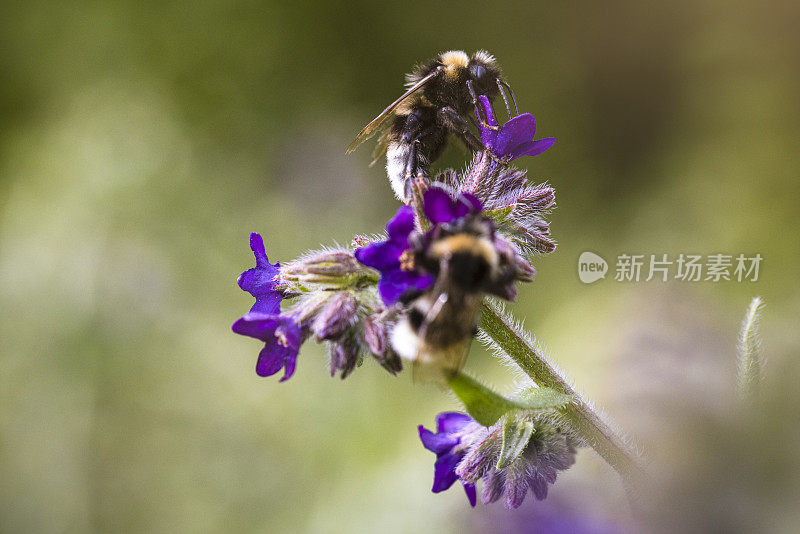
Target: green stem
[(578, 414)]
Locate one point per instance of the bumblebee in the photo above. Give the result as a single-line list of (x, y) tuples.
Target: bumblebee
[(439, 95), (440, 323)]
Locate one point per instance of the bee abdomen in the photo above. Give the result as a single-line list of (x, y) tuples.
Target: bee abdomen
[(398, 164)]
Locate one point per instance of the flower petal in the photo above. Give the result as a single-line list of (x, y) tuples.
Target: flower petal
[(394, 283), (518, 130), (469, 489), (488, 134), (384, 255), (444, 472), (258, 325), (451, 422), (533, 148), (282, 338), (401, 225), (260, 280), (289, 332), (472, 202), (257, 246), (270, 361), (289, 364), (437, 443), (488, 111), (438, 206), (381, 256)]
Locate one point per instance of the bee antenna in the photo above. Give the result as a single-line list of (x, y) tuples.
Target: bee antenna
[(500, 85)]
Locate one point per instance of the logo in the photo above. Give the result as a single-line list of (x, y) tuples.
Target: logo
[(591, 267)]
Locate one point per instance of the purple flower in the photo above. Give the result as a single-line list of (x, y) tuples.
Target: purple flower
[(513, 139), (440, 207), (449, 449), (260, 280), (468, 451), (387, 257), (281, 334), (282, 338)]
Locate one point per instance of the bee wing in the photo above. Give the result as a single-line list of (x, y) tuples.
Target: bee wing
[(370, 129), (435, 364), (380, 148), (438, 368)]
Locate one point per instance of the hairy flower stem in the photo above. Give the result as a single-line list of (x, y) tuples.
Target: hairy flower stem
[(579, 415), (750, 351)]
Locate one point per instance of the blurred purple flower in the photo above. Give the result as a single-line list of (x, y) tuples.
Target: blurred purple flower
[(282, 338), (513, 139), (387, 257), (468, 451), (260, 280), (449, 449)]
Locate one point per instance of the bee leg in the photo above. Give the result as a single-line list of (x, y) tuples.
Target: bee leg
[(412, 168), (456, 124), (474, 97), (505, 98), (472, 93), (500, 85)]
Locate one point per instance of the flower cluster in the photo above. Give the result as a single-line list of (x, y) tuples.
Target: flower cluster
[(468, 452), (333, 301), (356, 299)]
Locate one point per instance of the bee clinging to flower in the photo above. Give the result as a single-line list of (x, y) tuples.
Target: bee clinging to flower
[(439, 97), (464, 260)]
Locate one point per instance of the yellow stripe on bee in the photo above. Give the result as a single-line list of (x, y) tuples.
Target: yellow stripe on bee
[(453, 62), (464, 243)]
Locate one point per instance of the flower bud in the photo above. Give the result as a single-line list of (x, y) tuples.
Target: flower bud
[(335, 316), (344, 357), (375, 335), (328, 267)]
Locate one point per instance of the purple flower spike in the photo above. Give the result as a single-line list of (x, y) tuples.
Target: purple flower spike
[(282, 338), (384, 256), (447, 445), (513, 139), (439, 207), (260, 280)]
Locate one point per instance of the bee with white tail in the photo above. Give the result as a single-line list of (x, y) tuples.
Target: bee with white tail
[(440, 95), (441, 321)]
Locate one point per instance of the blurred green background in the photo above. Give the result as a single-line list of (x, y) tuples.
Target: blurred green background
[(141, 142)]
